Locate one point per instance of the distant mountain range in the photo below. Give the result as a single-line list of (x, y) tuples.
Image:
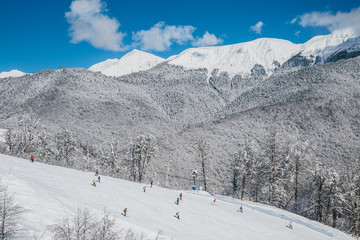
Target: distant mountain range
[(240, 59)]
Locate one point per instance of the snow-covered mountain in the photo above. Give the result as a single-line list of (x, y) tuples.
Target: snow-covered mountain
[(241, 58), (50, 194), (271, 53), (238, 58), (133, 61), (12, 73)]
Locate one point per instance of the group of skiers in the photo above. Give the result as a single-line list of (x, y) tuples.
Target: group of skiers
[(177, 214), (98, 179)]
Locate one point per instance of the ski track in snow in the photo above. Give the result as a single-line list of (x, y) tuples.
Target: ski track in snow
[(266, 211)]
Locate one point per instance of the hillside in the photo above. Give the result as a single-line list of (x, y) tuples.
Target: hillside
[(319, 104), (49, 192)]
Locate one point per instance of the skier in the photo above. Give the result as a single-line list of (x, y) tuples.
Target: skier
[(144, 188), (96, 172), (93, 183), (180, 196), (177, 201), (241, 209), (99, 179), (32, 158), (290, 225), (214, 201), (177, 215), (151, 183), (125, 211)]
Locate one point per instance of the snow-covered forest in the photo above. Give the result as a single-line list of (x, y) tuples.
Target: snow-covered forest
[(290, 140)]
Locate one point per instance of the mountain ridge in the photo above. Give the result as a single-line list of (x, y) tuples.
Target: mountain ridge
[(240, 58)]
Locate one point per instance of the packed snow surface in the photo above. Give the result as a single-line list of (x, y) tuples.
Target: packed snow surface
[(50, 191), (12, 73), (133, 61)]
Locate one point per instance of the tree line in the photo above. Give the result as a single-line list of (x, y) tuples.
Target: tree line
[(282, 175)]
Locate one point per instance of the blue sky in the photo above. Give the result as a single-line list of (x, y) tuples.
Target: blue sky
[(47, 34)]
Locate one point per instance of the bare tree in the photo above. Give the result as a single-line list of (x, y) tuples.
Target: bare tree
[(84, 226), (10, 213), (105, 228), (115, 157), (202, 149)]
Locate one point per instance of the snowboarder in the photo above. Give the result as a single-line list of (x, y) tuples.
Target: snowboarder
[(241, 209), (96, 172), (177, 215), (151, 184), (180, 196), (99, 179), (125, 211), (290, 225), (93, 183), (177, 201), (32, 158), (144, 188)]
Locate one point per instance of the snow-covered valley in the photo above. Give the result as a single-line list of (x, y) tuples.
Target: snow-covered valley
[(49, 192)]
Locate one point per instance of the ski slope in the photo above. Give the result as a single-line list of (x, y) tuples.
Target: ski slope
[(48, 191)]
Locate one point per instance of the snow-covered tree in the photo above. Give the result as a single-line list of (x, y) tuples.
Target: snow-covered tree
[(141, 150), (29, 124), (10, 141), (65, 146)]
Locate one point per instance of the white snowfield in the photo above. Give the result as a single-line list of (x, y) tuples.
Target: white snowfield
[(12, 73), (48, 191), (133, 61)]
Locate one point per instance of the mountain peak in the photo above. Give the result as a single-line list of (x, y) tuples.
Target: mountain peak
[(133, 61), (12, 73)]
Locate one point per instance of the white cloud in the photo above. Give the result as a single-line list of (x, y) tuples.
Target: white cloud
[(333, 22), (160, 37), (294, 20), (89, 23), (297, 33), (207, 39), (257, 27)]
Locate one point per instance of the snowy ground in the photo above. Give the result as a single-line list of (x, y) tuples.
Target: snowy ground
[(50, 191)]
